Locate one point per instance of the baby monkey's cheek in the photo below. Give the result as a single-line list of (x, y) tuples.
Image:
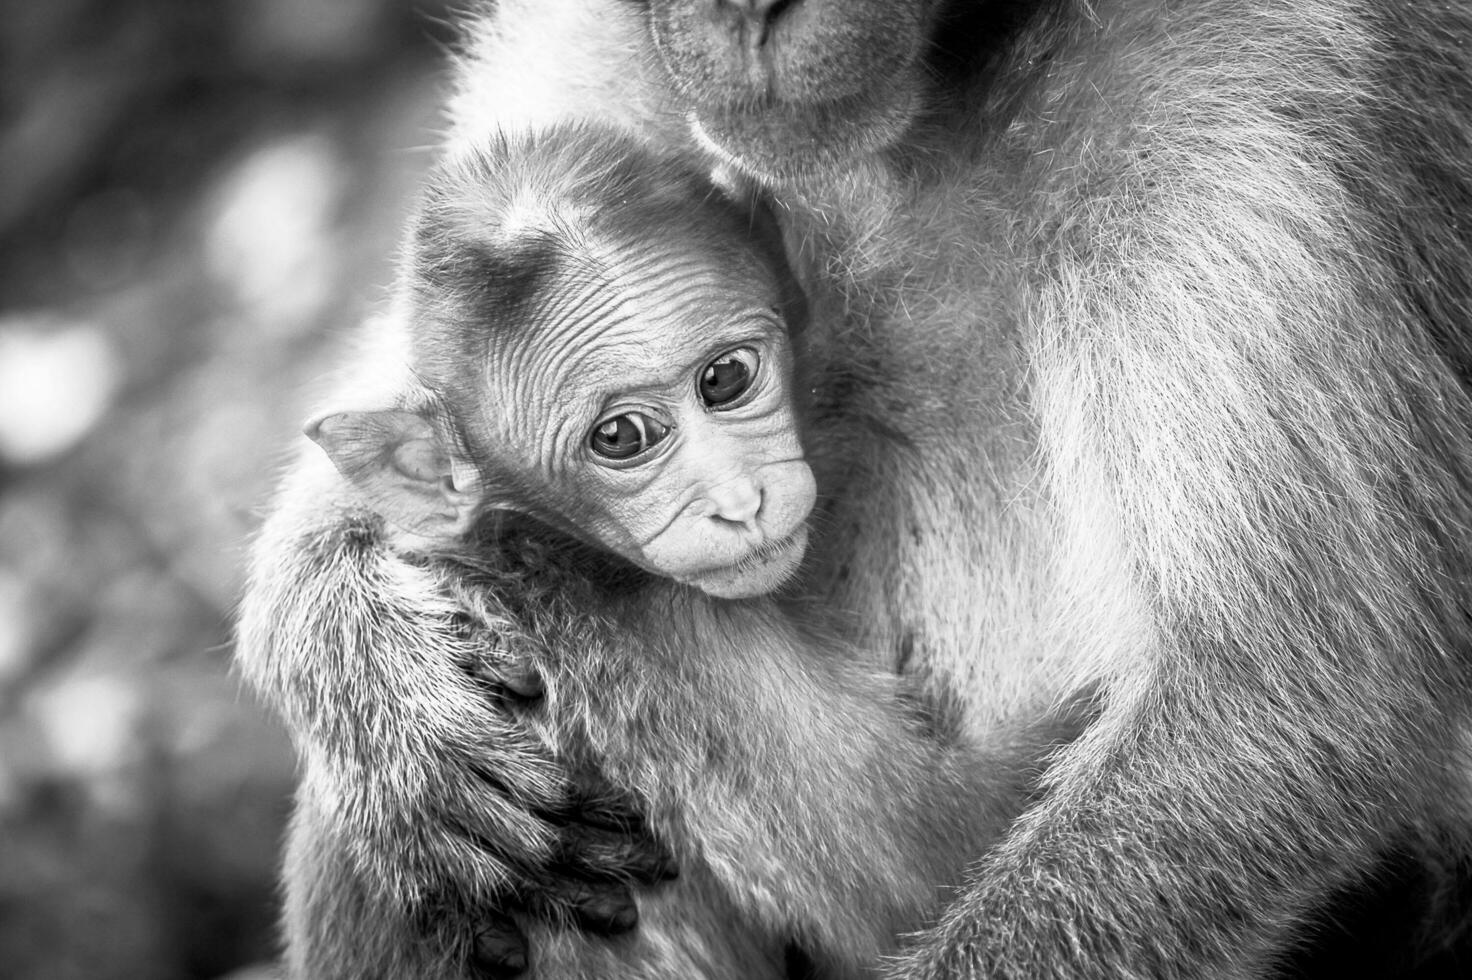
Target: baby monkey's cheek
[(789, 492)]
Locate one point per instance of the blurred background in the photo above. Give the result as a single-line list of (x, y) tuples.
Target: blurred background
[(197, 199)]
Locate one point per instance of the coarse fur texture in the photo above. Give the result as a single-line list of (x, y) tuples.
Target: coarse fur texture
[(809, 805), (1139, 364), (760, 753), (814, 806)]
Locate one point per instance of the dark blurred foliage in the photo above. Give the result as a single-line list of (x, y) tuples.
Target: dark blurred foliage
[(197, 199)]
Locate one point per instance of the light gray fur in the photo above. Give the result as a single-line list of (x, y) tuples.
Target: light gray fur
[(1140, 374)]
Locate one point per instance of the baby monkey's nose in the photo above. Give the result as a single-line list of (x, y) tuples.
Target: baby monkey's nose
[(737, 501)]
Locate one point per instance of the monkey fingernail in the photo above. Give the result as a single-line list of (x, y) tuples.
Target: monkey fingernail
[(623, 920), (523, 685), (499, 951), (653, 866), (612, 913), (496, 964)]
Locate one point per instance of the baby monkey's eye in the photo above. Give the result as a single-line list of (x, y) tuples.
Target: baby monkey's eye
[(724, 380), (626, 436)]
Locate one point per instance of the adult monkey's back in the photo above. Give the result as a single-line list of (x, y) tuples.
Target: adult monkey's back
[(1151, 392)]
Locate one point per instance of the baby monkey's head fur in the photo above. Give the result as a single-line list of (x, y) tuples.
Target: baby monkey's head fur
[(600, 340)]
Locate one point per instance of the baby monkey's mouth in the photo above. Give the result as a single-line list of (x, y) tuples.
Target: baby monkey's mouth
[(765, 552), (762, 570)]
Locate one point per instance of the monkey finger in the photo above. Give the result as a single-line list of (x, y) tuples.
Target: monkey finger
[(498, 950), (520, 681), (593, 804), (607, 908), (592, 853), (516, 681)]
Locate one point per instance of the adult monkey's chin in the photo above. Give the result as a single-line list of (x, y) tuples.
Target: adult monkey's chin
[(783, 90), (779, 143), (757, 574)]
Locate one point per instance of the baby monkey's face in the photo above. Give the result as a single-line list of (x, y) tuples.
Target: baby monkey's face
[(655, 399)]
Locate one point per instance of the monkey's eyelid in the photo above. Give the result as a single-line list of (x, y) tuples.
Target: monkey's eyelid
[(648, 432), (712, 390)]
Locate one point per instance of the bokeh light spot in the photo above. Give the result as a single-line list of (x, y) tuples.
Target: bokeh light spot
[(270, 237), (91, 723), (55, 385)]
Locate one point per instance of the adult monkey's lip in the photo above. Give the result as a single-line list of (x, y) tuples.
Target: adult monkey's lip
[(782, 141)]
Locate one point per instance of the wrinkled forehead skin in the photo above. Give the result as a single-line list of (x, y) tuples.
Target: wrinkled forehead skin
[(484, 275), (621, 316)]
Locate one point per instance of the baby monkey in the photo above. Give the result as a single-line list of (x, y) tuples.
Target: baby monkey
[(598, 450)]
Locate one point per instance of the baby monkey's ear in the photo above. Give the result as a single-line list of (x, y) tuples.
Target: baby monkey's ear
[(406, 470)]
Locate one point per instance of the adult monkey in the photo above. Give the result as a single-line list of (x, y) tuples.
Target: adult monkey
[(1154, 321), (1160, 343)]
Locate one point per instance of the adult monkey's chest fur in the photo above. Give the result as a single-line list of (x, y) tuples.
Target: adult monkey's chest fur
[(932, 540)]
